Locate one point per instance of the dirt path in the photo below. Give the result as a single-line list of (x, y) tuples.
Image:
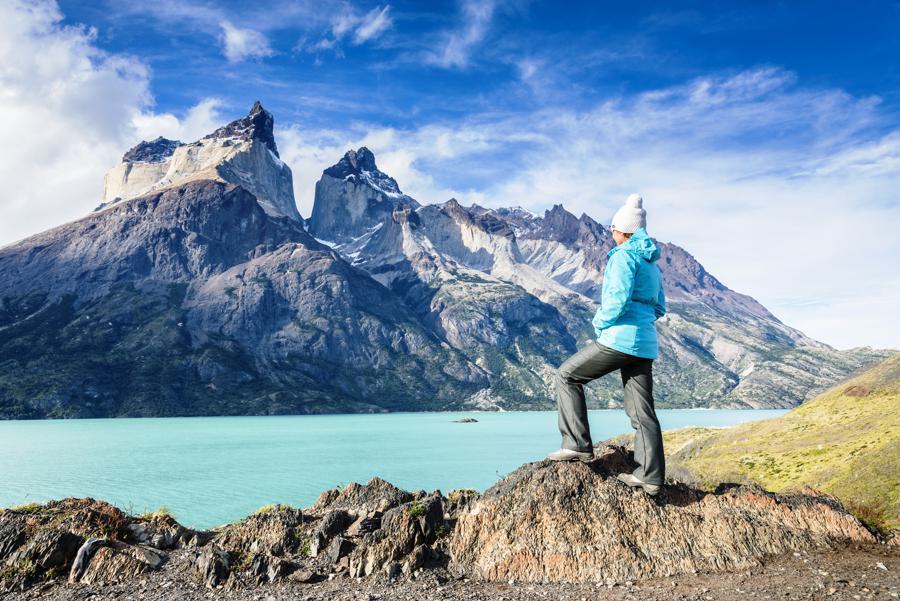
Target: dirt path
[(864, 572)]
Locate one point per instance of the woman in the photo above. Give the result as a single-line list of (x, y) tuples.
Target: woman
[(625, 323)]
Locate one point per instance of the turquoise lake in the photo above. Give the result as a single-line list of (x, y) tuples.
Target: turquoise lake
[(212, 470)]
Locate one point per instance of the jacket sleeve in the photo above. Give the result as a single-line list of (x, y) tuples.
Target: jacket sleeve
[(618, 283), (660, 308)]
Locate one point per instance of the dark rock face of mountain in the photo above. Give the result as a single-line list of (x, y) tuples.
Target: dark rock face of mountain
[(352, 196), (259, 124), (154, 151), (209, 295)]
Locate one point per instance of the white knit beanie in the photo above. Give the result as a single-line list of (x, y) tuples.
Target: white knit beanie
[(631, 216)]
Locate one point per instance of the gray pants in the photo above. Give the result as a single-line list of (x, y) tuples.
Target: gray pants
[(590, 363)]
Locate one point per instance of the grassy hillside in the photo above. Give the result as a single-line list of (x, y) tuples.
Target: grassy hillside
[(845, 442)]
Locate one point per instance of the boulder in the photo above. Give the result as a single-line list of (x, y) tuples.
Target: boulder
[(368, 522), (212, 566), (268, 568), (159, 530), (574, 522), (339, 547), (399, 534), (432, 515), (271, 531), (415, 560), (83, 557), (110, 565)]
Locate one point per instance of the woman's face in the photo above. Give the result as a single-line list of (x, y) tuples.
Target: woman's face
[(619, 237)]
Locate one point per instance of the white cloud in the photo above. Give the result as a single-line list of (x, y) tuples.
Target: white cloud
[(200, 119), (372, 24), (69, 111), (457, 45), (348, 22), (239, 44)]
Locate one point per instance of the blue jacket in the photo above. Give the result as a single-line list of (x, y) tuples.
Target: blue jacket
[(632, 298)]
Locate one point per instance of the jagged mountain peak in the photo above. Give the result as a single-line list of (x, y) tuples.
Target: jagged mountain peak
[(154, 151), (354, 162), (353, 196), (359, 166), (259, 124), (242, 152)]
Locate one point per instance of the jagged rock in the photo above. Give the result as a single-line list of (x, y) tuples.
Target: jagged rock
[(569, 522), (272, 531), (458, 500), (399, 534), (12, 532), (375, 495), (369, 522), (114, 564), (354, 195), (49, 552), (415, 560), (83, 557), (160, 531), (323, 501), (339, 547), (155, 151), (432, 515), (242, 152), (268, 568), (85, 517), (212, 566), (333, 523)]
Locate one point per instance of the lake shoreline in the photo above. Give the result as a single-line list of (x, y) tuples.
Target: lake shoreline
[(379, 540), (210, 471)]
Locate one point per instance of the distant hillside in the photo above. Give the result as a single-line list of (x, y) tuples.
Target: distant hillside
[(845, 442)]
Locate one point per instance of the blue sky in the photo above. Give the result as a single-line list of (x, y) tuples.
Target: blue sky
[(405, 75), (764, 136)]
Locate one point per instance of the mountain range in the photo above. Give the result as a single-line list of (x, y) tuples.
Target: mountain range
[(196, 288)]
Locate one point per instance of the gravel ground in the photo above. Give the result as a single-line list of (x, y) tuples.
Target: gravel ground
[(861, 572)]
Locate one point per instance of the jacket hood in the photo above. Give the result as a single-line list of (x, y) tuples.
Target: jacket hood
[(640, 245)]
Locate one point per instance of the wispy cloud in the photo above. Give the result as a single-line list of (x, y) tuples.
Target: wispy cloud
[(372, 24), (457, 45), (239, 44), (351, 25)]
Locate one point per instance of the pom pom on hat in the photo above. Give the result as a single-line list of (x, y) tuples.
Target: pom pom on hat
[(631, 216)]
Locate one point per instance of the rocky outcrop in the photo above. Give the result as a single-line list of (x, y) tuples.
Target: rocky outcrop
[(573, 522), (544, 522)]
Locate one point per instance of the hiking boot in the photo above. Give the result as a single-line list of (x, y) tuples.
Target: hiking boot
[(634, 481), (570, 455)]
